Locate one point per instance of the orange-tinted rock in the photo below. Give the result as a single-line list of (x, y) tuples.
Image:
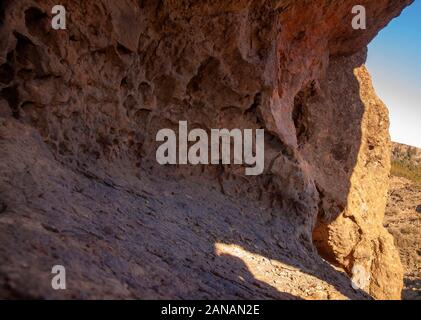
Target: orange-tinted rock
[(80, 109)]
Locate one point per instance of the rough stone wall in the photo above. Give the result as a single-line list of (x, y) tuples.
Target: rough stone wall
[(98, 92)]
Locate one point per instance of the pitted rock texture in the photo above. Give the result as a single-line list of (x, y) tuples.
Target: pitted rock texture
[(79, 184)]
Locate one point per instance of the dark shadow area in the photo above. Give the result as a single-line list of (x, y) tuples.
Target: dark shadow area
[(412, 290)]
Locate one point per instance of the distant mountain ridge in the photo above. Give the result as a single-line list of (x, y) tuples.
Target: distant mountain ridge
[(405, 153), (406, 162)]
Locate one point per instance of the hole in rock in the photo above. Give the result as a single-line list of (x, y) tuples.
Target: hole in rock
[(6, 73), (35, 21), (122, 50), (3, 5)]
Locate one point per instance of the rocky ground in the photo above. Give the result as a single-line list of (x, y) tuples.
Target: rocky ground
[(403, 220), (145, 236)]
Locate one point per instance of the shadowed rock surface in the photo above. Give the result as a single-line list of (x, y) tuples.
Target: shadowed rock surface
[(80, 187)]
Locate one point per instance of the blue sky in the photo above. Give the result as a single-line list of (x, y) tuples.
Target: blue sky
[(394, 61)]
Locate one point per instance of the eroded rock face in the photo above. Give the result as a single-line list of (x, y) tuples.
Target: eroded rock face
[(80, 110)]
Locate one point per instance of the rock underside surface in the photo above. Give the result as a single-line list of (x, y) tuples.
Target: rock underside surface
[(80, 187)]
